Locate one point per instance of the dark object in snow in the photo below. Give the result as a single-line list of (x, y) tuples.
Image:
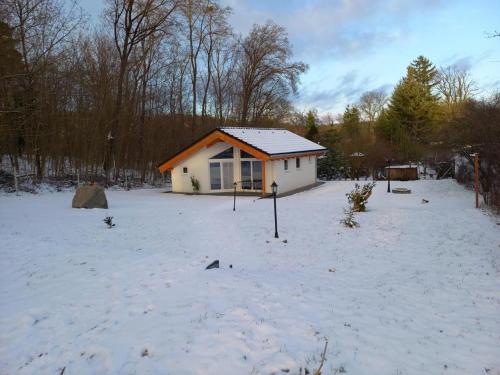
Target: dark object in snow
[(401, 191), (285, 370), (108, 220), (424, 201), (90, 196), (214, 264), (285, 241), (230, 266), (145, 353)]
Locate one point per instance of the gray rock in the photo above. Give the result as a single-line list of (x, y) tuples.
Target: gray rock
[(90, 196)]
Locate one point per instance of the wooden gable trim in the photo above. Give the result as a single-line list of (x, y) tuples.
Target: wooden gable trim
[(207, 141)]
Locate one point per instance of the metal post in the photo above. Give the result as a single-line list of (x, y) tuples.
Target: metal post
[(389, 176), (275, 217), (476, 177), (234, 201), (16, 182)]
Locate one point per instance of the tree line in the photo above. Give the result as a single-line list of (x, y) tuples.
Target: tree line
[(115, 99), (432, 117)]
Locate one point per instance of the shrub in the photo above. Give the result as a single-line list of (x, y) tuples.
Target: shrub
[(348, 220), (195, 183), (358, 198), (108, 220)]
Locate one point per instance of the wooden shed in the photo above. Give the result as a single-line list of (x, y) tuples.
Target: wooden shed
[(402, 172)]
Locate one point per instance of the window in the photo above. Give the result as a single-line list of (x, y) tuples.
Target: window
[(227, 175), (285, 164), (251, 175), (185, 170), (221, 175), (215, 179), (226, 154), (310, 160), (297, 163), (246, 155)]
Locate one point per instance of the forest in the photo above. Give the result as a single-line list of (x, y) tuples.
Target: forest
[(108, 101)]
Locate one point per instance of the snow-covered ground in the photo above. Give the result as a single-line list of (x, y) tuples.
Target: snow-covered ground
[(415, 289)]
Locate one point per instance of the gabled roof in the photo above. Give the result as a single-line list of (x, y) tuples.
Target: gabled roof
[(273, 141), (263, 143)]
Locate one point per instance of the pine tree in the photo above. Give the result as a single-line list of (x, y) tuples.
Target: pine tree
[(311, 128), (413, 110), (351, 121)]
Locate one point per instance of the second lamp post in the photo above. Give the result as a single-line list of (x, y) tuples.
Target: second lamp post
[(274, 187)]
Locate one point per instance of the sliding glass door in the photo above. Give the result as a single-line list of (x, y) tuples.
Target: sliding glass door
[(221, 175), (246, 175), (227, 175), (251, 174)]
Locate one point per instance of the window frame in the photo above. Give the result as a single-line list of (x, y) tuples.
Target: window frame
[(219, 166), (185, 170), (297, 163)]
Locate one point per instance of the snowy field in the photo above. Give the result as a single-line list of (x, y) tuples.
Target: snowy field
[(414, 290)]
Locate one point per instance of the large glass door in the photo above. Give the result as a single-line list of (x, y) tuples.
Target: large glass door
[(251, 175), (227, 175), (246, 175), (257, 175), (221, 175), (215, 178)]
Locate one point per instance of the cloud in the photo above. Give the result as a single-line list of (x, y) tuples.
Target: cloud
[(348, 89), (332, 28)]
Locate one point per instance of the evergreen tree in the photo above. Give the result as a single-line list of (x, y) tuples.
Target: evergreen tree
[(413, 110), (351, 121), (311, 128), (333, 164)]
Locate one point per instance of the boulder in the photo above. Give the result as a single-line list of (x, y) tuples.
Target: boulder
[(90, 196)]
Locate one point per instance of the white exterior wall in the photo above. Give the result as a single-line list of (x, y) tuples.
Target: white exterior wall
[(293, 178), (198, 166)]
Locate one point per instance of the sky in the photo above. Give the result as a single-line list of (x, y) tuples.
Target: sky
[(353, 46)]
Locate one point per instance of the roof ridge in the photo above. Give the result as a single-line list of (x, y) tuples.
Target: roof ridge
[(249, 128)]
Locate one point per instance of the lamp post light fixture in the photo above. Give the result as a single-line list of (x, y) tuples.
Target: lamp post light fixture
[(234, 200), (388, 175), (274, 187)]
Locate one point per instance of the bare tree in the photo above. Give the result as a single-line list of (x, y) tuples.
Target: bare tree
[(455, 86), (224, 61), (196, 14), (43, 29), (266, 69), (133, 21), (217, 29), (371, 105)]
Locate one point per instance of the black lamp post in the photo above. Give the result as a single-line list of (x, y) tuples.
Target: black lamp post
[(234, 201), (274, 186), (388, 175)]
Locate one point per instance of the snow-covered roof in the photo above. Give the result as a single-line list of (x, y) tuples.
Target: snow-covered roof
[(273, 141), (402, 166)]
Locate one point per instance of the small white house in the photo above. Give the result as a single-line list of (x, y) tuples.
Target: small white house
[(251, 157)]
